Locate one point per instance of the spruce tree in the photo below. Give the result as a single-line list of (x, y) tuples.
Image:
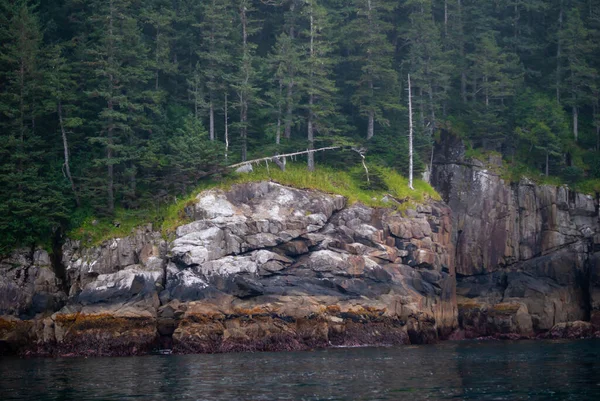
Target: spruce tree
[(315, 76), (375, 88), (118, 58), (216, 53), (31, 206), (578, 76)]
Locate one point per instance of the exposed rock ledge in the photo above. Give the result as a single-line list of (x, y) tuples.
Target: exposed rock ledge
[(527, 255), (262, 267)]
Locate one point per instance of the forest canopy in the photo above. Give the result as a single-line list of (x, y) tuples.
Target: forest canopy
[(108, 104)]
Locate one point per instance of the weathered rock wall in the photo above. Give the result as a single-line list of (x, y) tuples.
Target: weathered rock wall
[(261, 267), (526, 254)]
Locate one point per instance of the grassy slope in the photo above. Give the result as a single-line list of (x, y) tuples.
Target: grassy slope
[(347, 183)]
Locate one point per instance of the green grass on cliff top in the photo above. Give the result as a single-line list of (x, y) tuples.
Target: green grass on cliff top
[(350, 184)]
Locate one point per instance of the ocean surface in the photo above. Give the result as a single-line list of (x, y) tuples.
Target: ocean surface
[(526, 370)]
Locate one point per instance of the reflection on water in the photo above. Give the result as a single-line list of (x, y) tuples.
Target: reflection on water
[(466, 370)]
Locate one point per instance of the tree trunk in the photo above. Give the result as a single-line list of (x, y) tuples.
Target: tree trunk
[(21, 119), (66, 153), (243, 128), (596, 118), (211, 120), (287, 133), (311, 100), (487, 94), (558, 52), (226, 129), (575, 123), (547, 162), (446, 19), (311, 136), (278, 131), (156, 57), (463, 75), (110, 105), (421, 110), (410, 136), (371, 129), (244, 86)]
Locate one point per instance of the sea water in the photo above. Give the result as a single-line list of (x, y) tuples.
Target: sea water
[(493, 370)]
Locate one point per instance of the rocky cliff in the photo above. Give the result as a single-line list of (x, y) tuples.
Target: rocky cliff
[(268, 267), (527, 255), (260, 267)]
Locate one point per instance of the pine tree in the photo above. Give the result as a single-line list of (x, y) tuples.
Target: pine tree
[(496, 75), (578, 76), (427, 64), (246, 76), (216, 53), (118, 58), (315, 77), (375, 87), (61, 100), (543, 126), (30, 205)]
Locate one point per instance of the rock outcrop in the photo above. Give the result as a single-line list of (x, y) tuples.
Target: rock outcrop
[(526, 255), (268, 267), (260, 267)]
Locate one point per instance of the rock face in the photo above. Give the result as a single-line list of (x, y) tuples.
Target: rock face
[(526, 255), (267, 267), (261, 267)]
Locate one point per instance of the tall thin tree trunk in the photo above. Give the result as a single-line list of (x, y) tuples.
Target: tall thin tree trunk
[(547, 162), (432, 124), (558, 52), (66, 152), (311, 101), (196, 96), (110, 105), (463, 75), (575, 123), (371, 129), (421, 110), (311, 135), (410, 136), (287, 133), (596, 122), (226, 129), (211, 120), (244, 90), (156, 58), (278, 131), (21, 119), (445, 19)]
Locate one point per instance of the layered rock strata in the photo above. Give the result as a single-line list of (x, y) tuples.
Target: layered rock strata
[(259, 267), (527, 255)]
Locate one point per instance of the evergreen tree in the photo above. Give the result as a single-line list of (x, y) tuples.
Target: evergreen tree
[(30, 205), (427, 64), (119, 61), (578, 76), (375, 89), (216, 53), (496, 75), (543, 126), (246, 76), (316, 80)]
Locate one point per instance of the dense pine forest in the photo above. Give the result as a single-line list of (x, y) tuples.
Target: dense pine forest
[(108, 105)]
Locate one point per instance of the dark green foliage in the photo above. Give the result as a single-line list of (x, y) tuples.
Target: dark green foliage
[(110, 106)]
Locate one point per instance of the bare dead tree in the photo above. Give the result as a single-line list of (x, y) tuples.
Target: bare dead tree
[(410, 137)]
